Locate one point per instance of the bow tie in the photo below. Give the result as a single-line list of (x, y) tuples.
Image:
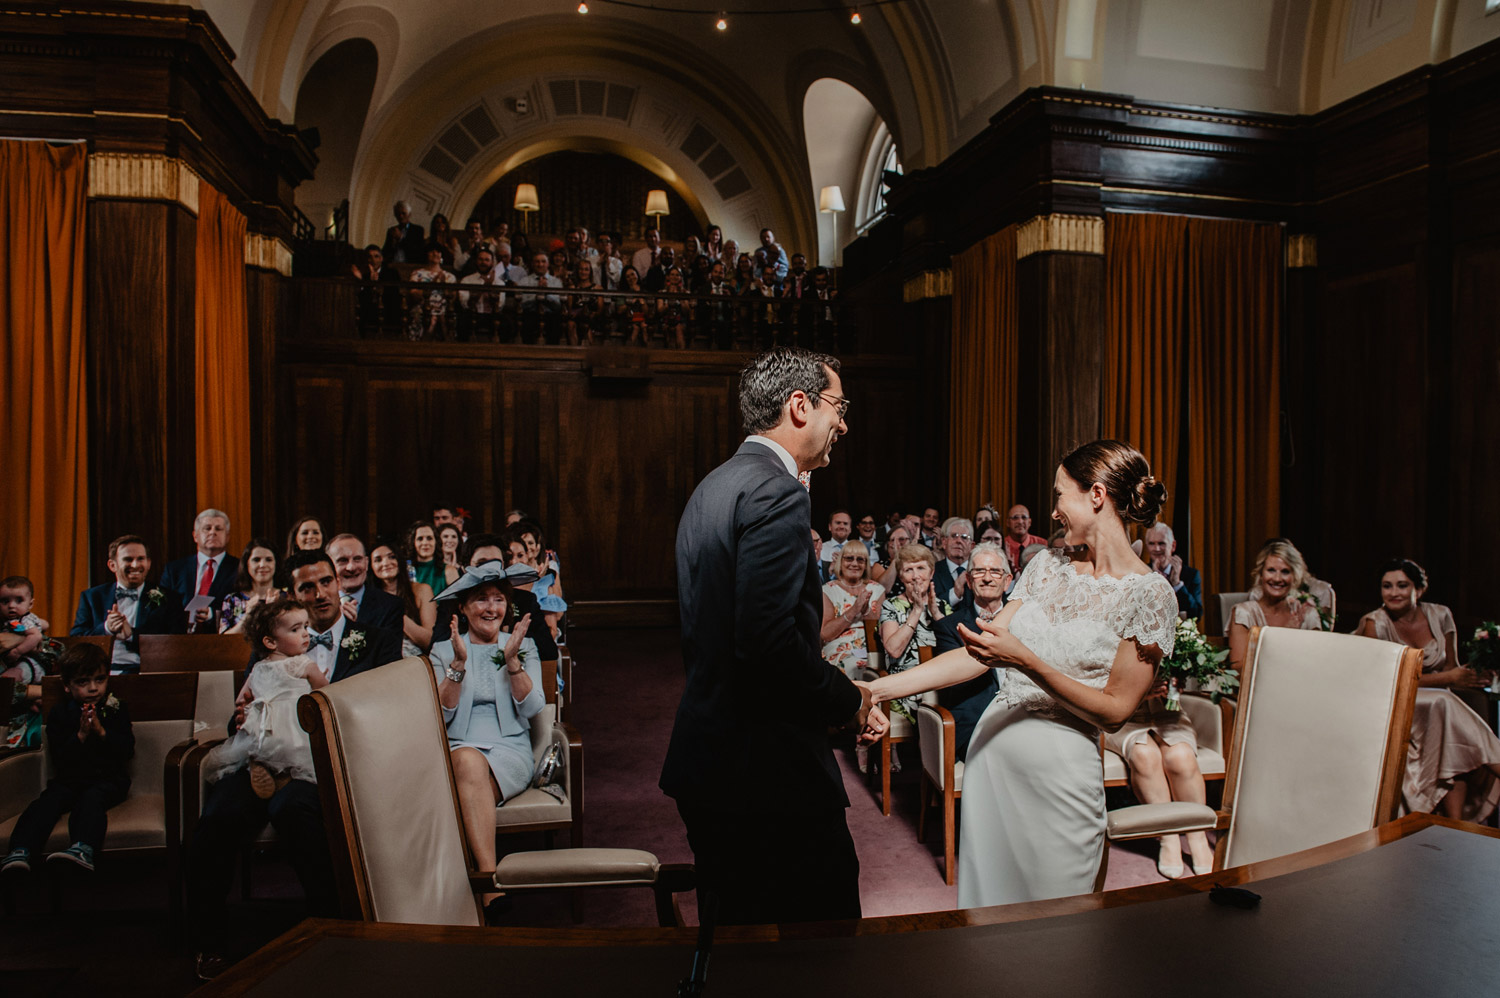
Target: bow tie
[(325, 639), (134, 594)]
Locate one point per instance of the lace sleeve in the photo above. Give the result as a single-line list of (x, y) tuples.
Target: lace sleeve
[(1150, 615), (1035, 576)]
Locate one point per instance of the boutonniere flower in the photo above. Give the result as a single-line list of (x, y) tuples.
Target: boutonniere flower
[(354, 644), (154, 597), (111, 702)]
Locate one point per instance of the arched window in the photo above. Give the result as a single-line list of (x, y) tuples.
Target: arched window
[(880, 156)]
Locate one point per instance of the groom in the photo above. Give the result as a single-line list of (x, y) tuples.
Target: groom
[(749, 762)]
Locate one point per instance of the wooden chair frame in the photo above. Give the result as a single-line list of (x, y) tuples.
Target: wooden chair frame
[(950, 793)]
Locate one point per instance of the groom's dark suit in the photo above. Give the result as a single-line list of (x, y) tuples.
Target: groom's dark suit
[(753, 722)]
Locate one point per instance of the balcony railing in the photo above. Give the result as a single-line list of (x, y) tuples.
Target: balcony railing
[(343, 308)]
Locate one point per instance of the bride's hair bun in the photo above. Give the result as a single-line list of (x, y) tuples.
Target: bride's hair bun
[(1125, 474)]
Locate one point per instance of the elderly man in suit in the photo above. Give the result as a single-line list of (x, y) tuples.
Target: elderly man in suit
[(1161, 553), (233, 813), (125, 607), (951, 575), (209, 572), (361, 603), (989, 578), (747, 585)]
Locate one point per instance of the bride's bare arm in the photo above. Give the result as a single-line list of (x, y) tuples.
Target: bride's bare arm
[(948, 669), (1129, 678)]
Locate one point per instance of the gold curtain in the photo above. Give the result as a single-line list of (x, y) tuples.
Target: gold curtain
[(1143, 366), (984, 362), (44, 486), (222, 364), (1234, 395)]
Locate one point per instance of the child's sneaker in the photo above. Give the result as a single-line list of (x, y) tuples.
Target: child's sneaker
[(16, 861), (78, 854)]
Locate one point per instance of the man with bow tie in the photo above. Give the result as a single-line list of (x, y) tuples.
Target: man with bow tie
[(126, 607)]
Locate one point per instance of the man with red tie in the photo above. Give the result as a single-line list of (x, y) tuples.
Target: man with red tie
[(211, 572)]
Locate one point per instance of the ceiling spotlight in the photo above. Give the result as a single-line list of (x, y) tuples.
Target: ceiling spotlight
[(721, 23), (854, 18), (583, 8)]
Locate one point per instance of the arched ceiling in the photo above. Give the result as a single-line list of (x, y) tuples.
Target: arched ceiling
[(934, 70)]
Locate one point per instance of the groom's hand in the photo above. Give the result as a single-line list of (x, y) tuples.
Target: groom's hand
[(868, 721)]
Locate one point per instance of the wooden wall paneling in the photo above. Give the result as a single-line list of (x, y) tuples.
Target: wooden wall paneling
[(1471, 393), (263, 294), (428, 439), (529, 425), (1304, 383), (319, 453), (140, 268)]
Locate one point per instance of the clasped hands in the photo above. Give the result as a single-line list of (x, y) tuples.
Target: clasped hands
[(870, 721)]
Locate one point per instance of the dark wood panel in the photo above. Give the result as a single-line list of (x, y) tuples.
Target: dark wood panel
[(314, 465), (1471, 534)]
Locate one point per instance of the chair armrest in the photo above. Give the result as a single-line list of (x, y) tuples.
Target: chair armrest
[(573, 778), (1149, 821), (171, 788), (1207, 720), (193, 789), (937, 739), (21, 780)]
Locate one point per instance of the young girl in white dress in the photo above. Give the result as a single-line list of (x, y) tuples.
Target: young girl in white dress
[(1080, 640), (270, 741)]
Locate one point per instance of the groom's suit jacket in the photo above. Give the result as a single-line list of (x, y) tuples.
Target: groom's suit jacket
[(759, 698)]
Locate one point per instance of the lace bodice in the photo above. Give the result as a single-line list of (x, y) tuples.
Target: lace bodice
[(1075, 624)]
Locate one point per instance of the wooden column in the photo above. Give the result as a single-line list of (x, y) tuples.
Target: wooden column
[(1060, 277)]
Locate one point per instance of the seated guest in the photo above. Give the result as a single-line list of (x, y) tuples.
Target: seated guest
[(21, 632), (253, 585), (538, 554), (967, 700), (956, 541), (646, 257), (673, 314), (770, 254), (586, 311), (505, 266), (422, 550), (210, 572), (991, 533), (838, 532), (1018, 536), (450, 539), (542, 587), (985, 514), (633, 310), (379, 303), (1453, 759), (419, 610), (403, 241), (907, 620), (89, 745), (865, 528), (442, 238), (469, 244), (654, 278), (608, 267), (886, 574), (233, 813), (540, 314), (307, 534), (1161, 555), (479, 550), (428, 310), (929, 528), (125, 608), (481, 309), (848, 601), (1279, 574), (490, 687), (361, 603)]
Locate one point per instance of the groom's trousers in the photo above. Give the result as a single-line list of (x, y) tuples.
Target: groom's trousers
[(775, 866)]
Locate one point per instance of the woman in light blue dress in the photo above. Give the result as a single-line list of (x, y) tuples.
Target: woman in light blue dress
[(490, 687)]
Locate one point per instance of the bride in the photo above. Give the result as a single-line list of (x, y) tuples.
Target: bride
[(1080, 639)]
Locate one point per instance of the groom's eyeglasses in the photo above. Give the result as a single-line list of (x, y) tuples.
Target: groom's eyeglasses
[(841, 403)]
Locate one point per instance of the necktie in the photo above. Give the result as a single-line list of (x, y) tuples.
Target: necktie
[(325, 639), (207, 580)]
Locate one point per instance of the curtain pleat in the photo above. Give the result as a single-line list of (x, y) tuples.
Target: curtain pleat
[(1144, 362), (222, 361), (1234, 395), (44, 481), (984, 372)]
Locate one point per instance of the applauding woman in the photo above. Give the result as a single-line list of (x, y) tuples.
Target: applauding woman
[(256, 584), (1453, 760), (848, 601), (490, 687), (906, 620)]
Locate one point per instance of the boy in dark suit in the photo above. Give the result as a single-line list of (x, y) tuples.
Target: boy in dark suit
[(125, 607), (747, 583)]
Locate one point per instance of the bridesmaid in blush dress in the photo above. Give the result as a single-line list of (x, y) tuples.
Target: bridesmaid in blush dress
[(1080, 640), (1453, 760)]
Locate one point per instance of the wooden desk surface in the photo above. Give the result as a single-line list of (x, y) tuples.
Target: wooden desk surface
[(1409, 908)]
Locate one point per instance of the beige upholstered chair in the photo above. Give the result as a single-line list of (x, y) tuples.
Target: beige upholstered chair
[(161, 714), (1319, 748), (1211, 721), (942, 777), (1227, 602), (392, 813), (534, 810)]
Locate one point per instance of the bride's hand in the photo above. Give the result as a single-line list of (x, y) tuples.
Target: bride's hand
[(876, 726), (993, 645)]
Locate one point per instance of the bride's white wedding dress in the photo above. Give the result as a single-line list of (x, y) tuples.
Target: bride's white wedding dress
[(1033, 801)]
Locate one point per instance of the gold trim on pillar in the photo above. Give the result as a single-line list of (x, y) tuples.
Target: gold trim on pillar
[(1301, 250), (1060, 234), (268, 253), (144, 176), (928, 284)]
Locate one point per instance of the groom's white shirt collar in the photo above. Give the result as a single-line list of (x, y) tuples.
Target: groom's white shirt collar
[(780, 451)]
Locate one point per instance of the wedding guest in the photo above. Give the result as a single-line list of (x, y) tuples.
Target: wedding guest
[(422, 552), (482, 307), (306, 535), (633, 310), (1453, 759), (886, 574), (957, 539), (540, 313), (211, 572), (403, 241), (771, 255), (379, 303), (255, 584), (930, 526), (838, 533), (646, 257), (1279, 574), (442, 238), (865, 528), (906, 622), (991, 533), (450, 539), (848, 601), (608, 267), (419, 611), (480, 550), (538, 554), (966, 701), (713, 243), (544, 588), (985, 514), (673, 313), (125, 608), (490, 687), (428, 309), (1018, 536), (362, 603), (1161, 555), (21, 633), (586, 311)]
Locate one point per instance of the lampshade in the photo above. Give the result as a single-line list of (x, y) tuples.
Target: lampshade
[(526, 199), (656, 203), (830, 199)]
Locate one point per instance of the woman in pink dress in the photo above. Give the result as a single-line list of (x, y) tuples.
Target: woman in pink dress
[(1453, 761), (1276, 598)]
